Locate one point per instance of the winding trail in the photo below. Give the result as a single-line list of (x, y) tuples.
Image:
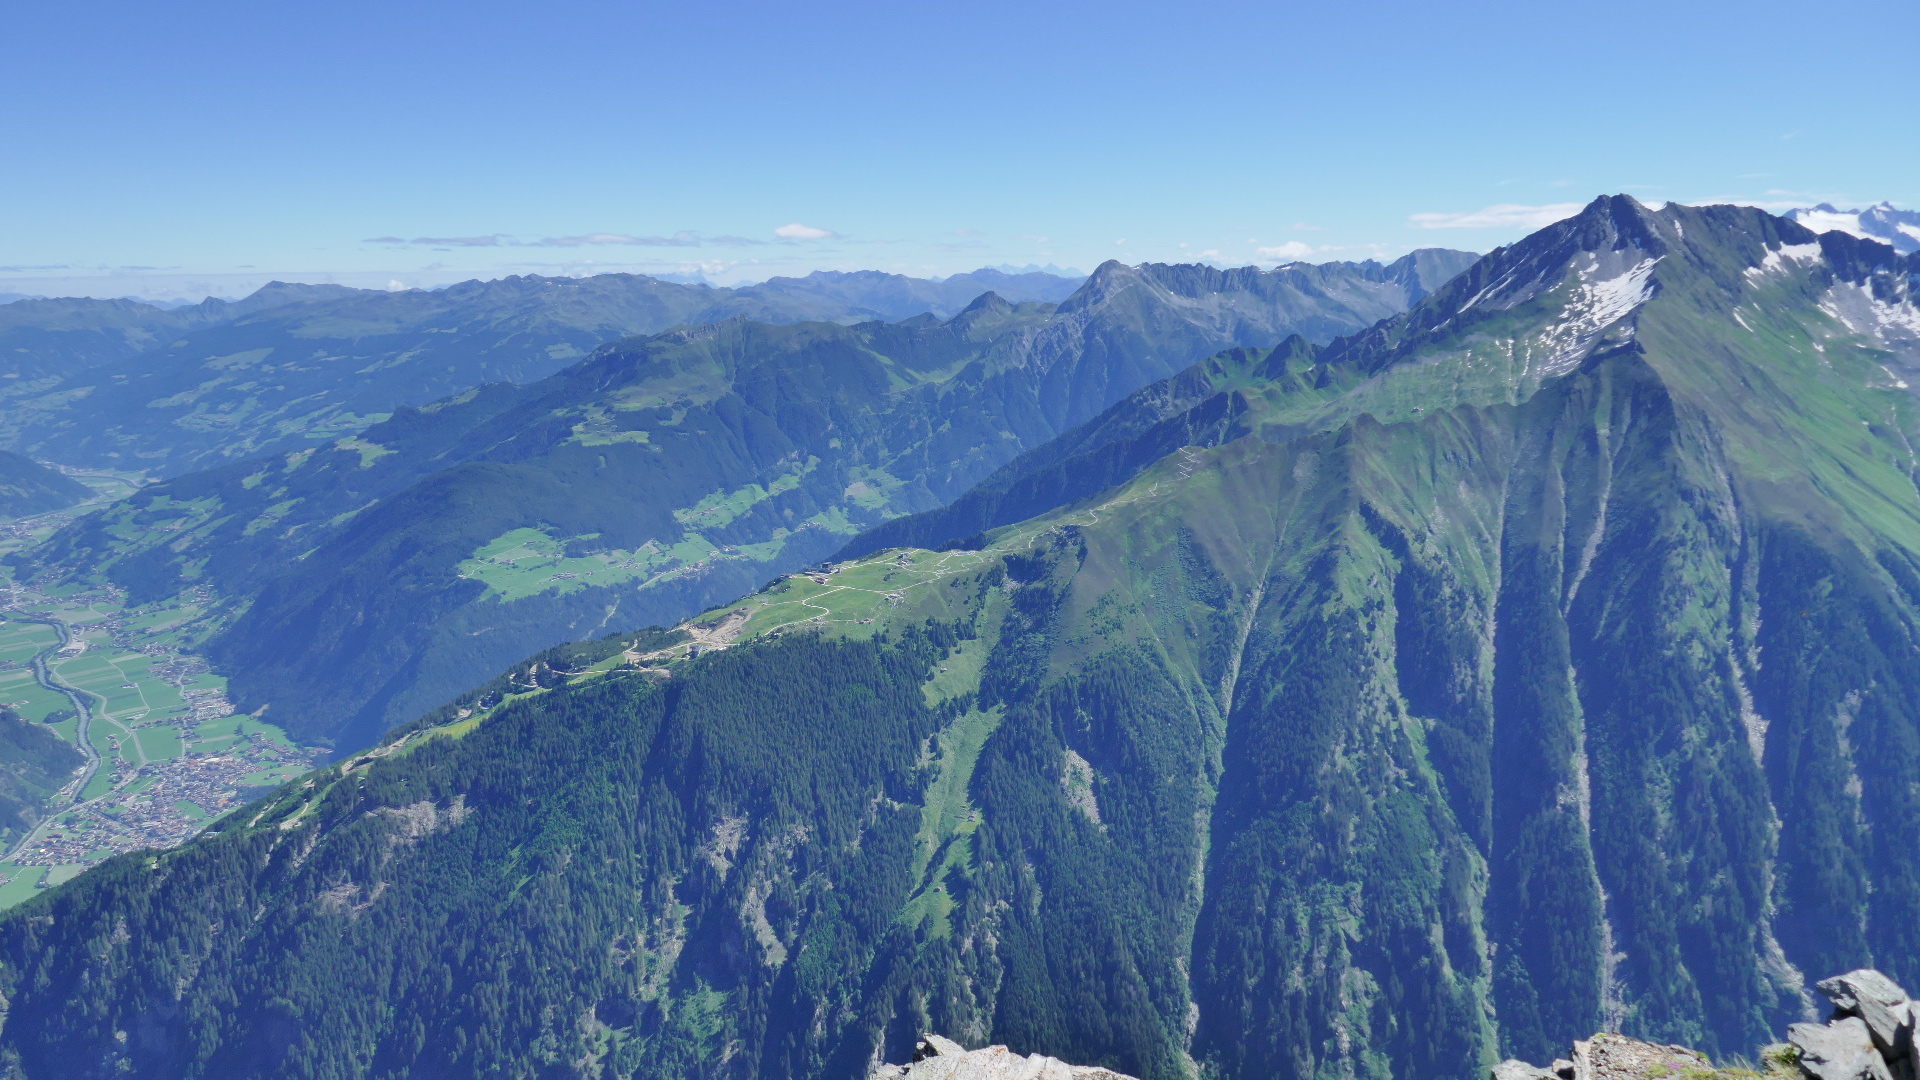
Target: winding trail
[(48, 680)]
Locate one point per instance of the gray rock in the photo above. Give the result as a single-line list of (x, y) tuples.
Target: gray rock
[(1841, 1050), (937, 1058), (1562, 1068), (1875, 999), (1612, 1056), (1515, 1069), (1887, 1026), (1905, 1036), (1849, 990)]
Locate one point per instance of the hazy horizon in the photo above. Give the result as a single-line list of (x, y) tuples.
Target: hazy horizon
[(363, 144)]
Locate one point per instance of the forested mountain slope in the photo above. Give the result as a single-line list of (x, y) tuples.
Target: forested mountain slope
[(28, 487), (1538, 661), (388, 571), (35, 763)]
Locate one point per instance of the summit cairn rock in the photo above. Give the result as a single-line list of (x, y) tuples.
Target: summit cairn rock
[(938, 1058)]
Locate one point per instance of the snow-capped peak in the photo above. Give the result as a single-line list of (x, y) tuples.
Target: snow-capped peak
[(1882, 221)]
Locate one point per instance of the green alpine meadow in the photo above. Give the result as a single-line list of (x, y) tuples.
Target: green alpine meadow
[(1537, 661)]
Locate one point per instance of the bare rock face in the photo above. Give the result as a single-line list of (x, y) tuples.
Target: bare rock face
[(937, 1058), (1878, 1001), (1838, 1050), (1849, 990)]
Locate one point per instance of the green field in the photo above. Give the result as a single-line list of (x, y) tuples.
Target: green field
[(162, 620), (65, 872), (20, 884), (272, 777), (526, 562), (28, 698), (160, 742), (20, 640), (121, 681), (857, 597), (218, 736)]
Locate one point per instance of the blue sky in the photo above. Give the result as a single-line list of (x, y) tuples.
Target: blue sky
[(185, 147)]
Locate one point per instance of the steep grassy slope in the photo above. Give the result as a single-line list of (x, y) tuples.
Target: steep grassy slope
[(391, 570), (1540, 661), (28, 487)]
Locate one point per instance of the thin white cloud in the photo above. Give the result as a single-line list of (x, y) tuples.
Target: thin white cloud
[(1292, 249), (1500, 216), (683, 238), (441, 241), (679, 239), (796, 231)]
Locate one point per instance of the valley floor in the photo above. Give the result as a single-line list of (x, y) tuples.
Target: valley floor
[(168, 753)]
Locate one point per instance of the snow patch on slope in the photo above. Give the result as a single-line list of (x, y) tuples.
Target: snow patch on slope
[(1778, 258), (1596, 304), (1855, 306)]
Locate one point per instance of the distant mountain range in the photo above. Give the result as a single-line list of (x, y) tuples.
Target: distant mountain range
[(1883, 222), (1541, 660), (384, 572), (115, 383)]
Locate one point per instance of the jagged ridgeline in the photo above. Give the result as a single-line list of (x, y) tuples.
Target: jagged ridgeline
[(381, 574), (1536, 663)]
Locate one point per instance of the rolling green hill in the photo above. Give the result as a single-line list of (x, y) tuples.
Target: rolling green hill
[(28, 487), (1538, 661), (382, 573)]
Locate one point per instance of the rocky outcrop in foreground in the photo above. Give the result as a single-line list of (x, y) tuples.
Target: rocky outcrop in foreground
[(1870, 1036), (936, 1058)]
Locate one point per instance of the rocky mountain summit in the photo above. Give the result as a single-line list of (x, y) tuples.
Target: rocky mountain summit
[(936, 1058), (1870, 1036)]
